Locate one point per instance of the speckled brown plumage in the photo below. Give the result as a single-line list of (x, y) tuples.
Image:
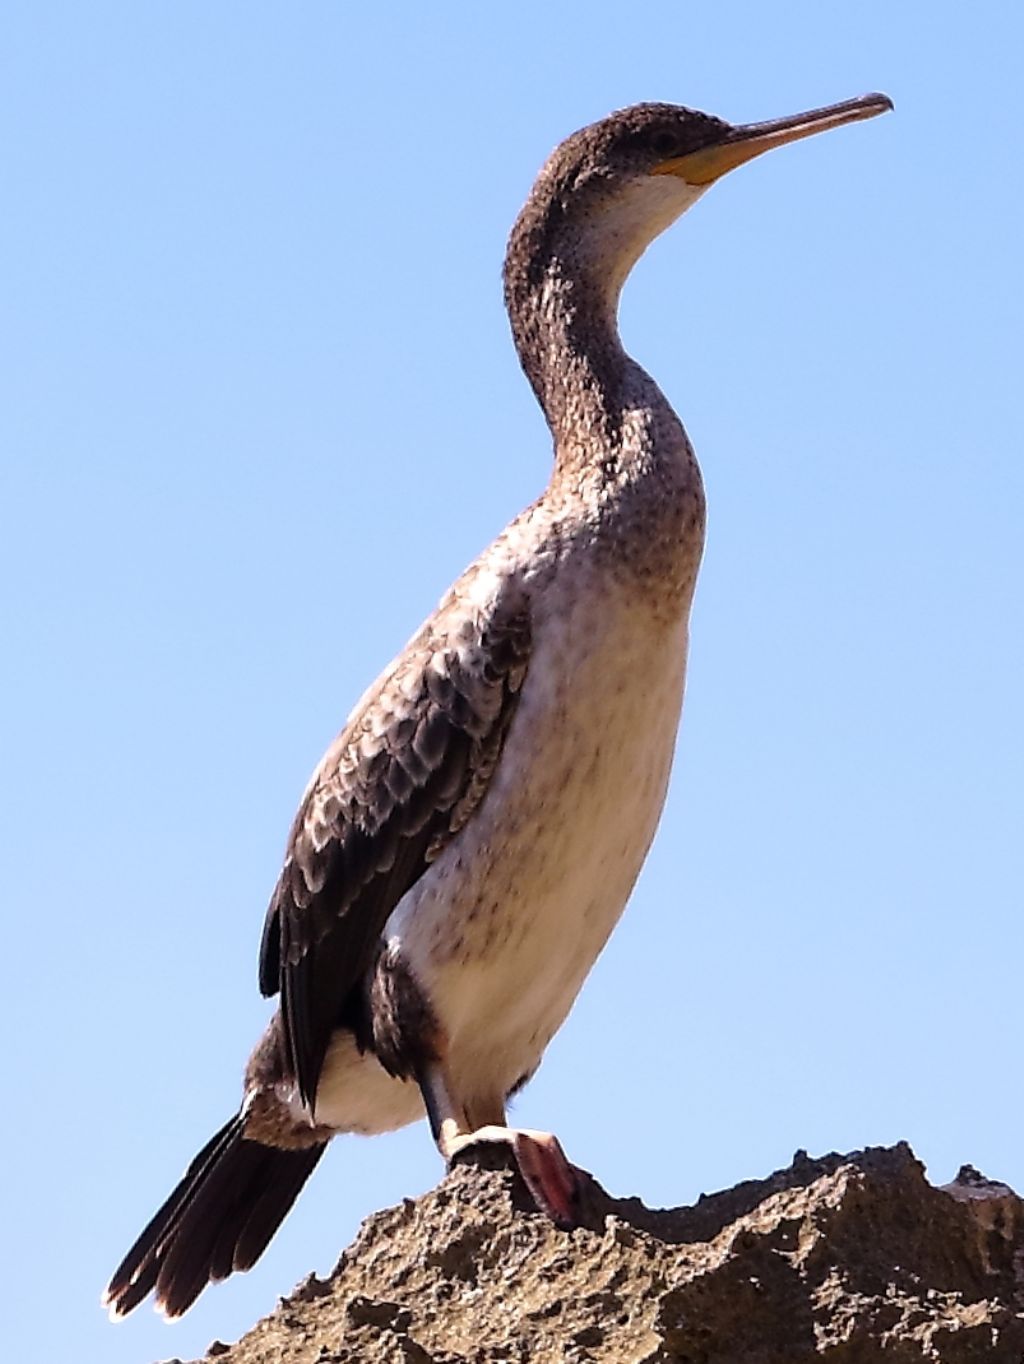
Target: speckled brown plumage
[(469, 841)]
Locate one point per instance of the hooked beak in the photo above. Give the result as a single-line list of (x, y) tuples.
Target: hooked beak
[(743, 143)]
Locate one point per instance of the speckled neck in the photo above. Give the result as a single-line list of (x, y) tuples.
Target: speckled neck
[(569, 347), (562, 287), (624, 470)]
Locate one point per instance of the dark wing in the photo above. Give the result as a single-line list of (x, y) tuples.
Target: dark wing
[(402, 778)]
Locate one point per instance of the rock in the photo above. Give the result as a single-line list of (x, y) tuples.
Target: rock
[(844, 1260)]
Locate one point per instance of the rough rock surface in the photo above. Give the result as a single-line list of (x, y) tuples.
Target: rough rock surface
[(843, 1260)]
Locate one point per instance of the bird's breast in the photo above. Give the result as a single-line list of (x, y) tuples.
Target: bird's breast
[(503, 928)]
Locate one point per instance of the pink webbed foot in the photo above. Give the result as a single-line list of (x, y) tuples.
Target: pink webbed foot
[(552, 1181)]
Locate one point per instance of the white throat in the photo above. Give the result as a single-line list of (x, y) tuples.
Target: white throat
[(618, 236)]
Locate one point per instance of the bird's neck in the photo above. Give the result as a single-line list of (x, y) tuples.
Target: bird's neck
[(603, 409), (624, 468)]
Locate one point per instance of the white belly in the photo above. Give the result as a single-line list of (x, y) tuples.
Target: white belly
[(503, 928), (356, 1094)]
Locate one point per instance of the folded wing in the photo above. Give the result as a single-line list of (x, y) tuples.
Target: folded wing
[(406, 773)]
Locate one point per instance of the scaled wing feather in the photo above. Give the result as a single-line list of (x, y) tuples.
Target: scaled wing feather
[(401, 779)]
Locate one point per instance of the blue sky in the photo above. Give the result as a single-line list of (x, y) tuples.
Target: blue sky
[(259, 406)]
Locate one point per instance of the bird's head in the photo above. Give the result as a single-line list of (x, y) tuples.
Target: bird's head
[(608, 190)]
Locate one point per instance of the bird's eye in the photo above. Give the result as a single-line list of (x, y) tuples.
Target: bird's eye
[(663, 142)]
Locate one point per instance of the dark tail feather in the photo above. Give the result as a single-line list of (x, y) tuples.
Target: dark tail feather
[(220, 1218)]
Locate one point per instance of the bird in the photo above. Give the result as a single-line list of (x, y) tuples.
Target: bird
[(470, 839)]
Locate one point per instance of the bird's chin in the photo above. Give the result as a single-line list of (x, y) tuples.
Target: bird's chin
[(627, 224)]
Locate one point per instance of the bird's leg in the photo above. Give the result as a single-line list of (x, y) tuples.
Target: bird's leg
[(553, 1183)]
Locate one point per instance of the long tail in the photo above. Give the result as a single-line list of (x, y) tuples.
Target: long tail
[(220, 1218)]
